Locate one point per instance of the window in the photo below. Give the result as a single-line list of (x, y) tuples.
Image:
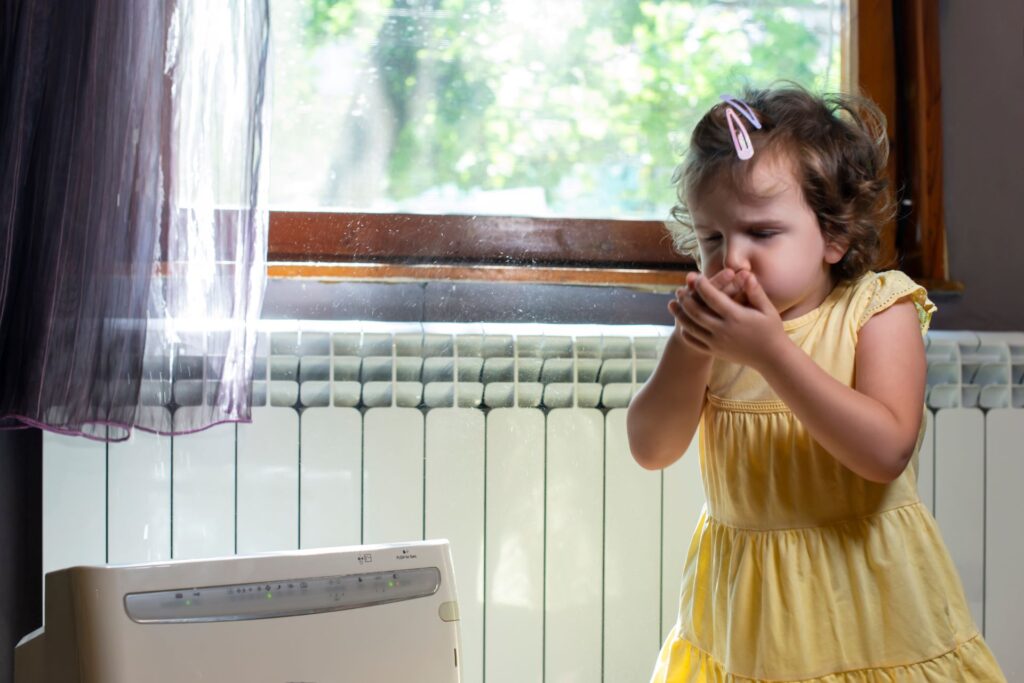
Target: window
[(448, 134), (573, 109)]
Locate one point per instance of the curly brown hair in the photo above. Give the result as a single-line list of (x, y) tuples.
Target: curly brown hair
[(839, 149)]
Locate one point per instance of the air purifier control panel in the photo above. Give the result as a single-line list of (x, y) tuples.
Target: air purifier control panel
[(281, 597)]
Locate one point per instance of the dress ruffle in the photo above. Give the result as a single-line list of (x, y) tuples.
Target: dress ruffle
[(776, 604), (969, 661)]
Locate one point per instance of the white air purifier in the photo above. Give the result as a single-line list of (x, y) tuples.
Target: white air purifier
[(367, 614)]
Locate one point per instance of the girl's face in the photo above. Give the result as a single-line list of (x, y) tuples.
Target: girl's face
[(770, 230)]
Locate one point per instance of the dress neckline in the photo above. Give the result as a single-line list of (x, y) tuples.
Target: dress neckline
[(813, 314)]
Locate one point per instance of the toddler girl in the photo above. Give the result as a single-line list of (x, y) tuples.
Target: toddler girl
[(814, 559)]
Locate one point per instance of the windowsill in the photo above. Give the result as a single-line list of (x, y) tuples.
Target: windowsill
[(511, 294), (421, 301), (650, 280), (635, 278)]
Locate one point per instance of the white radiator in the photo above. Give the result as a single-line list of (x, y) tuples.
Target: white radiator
[(567, 554)]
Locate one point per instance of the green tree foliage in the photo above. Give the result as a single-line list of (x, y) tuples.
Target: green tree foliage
[(588, 98)]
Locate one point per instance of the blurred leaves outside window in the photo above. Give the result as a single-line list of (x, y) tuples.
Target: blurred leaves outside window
[(545, 108)]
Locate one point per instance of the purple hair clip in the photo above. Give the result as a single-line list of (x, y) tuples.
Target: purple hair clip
[(740, 136)]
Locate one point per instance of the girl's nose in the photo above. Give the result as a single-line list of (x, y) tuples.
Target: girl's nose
[(735, 257)]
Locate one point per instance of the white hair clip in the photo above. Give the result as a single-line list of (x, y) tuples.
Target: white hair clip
[(740, 136)]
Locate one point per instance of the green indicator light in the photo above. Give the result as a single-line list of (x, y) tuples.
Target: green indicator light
[(188, 602), (391, 584), (269, 595)]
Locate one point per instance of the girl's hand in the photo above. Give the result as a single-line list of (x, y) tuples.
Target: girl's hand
[(717, 324), (725, 281)]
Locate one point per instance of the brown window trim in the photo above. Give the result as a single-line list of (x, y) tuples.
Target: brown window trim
[(897, 65), (894, 51), (502, 248)]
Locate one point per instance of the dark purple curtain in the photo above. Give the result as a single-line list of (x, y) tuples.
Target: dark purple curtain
[(132, 232)]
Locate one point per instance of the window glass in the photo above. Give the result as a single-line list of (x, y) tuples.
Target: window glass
[(564, 108)]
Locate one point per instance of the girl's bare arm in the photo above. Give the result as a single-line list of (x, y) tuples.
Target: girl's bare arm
[(873, 427), (664, 414)]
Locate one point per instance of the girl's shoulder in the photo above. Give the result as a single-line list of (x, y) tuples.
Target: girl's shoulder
[(875, 292)]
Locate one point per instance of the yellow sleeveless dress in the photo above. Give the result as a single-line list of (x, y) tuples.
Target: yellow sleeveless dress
[(799, 569)]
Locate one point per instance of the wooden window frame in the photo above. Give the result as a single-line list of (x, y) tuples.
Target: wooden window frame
[(897, 65), (491, 248), (892, 55)]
